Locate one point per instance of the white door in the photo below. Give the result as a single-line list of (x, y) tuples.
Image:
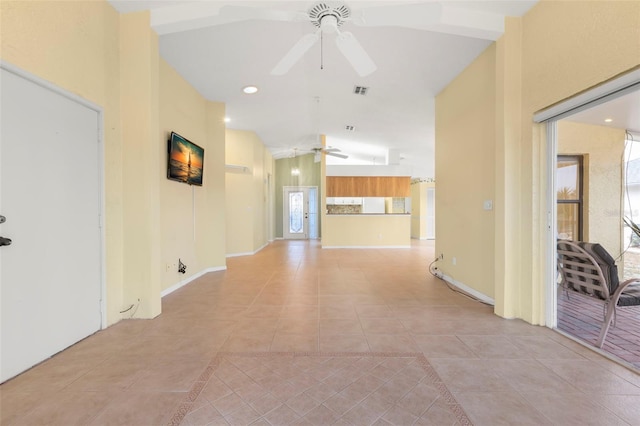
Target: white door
[(50, 194), (431, 213), (300, 212), (296, 213)]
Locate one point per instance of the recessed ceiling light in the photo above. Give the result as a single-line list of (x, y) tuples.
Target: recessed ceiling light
[(249, 90), (227, 119), (608, 120)]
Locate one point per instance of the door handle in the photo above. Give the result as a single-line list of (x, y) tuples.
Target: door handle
[(5, 241), (2, 219)]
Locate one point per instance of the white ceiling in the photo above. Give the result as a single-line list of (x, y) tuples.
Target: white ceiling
[(220, 55), (624, 113)]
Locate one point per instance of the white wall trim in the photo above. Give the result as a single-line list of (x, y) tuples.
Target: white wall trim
[(466, 289), (186, 281), (550, 252), (626, 83), (248, 253), (634, 134), (366, 247)]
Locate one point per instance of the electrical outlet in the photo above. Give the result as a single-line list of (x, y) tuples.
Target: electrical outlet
[(453, 261), (441, 256)]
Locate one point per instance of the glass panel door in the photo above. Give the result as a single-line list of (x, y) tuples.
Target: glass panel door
[(296, 212)]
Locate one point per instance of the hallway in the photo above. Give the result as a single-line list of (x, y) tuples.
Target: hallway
[(300, 335)]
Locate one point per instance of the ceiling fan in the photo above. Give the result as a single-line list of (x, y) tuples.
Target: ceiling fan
[(327, 17), (334, 152)]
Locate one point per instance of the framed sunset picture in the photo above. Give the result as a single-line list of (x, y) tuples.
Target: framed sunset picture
[(185, 160)]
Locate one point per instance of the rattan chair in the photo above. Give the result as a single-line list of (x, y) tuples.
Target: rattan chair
[(589, 270)]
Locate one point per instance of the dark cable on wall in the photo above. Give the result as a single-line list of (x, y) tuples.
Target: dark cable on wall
[(127, 310)]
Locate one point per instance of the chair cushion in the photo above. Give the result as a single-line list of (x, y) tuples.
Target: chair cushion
[(601, 256), (630, 296), (606, 262)]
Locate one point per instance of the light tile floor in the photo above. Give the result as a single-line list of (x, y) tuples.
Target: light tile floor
[(336, 336)]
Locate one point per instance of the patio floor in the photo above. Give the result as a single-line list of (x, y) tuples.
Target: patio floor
[(582, 318)]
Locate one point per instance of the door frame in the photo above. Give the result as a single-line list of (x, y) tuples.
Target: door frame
[(285, 210), (6, 66), (624, 84)]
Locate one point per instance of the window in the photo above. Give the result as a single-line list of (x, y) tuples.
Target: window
[(569, 186)]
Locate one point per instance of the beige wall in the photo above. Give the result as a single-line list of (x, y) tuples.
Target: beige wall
[(465, 147), (558, 49), (192, 217), (139, 86), (358, 230), (602, 148), (112, 60), (249, 200)]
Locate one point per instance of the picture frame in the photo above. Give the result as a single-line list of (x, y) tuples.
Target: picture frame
[(185, 160)]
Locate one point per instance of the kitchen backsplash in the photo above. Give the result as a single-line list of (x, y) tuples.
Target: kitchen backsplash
[(344, 209)]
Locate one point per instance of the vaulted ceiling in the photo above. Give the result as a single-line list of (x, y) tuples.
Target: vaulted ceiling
[(417, 47)]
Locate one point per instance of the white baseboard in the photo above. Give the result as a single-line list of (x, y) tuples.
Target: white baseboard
[(246, 253), (466, 289), (249, 253), (186, 281), (365, 247)]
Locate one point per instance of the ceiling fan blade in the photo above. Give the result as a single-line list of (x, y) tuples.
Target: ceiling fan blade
[(297, 51), (245, 13), (334, 154), (355, 54)]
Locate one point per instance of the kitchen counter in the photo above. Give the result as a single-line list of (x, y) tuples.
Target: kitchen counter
[(368, 214), (366, 230)]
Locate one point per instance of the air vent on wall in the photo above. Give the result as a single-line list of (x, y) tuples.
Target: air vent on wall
[(349, 128), (360, 90)]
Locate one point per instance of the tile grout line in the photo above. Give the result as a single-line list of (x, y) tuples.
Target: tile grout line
[(185, 407)]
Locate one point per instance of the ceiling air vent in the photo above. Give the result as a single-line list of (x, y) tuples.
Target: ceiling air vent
[(360, 90), (349, 128)]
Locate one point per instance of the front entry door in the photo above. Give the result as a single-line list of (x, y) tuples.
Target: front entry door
[(300, 212), (296, 213)]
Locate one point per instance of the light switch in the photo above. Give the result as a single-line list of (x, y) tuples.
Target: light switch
[(488, 204)]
